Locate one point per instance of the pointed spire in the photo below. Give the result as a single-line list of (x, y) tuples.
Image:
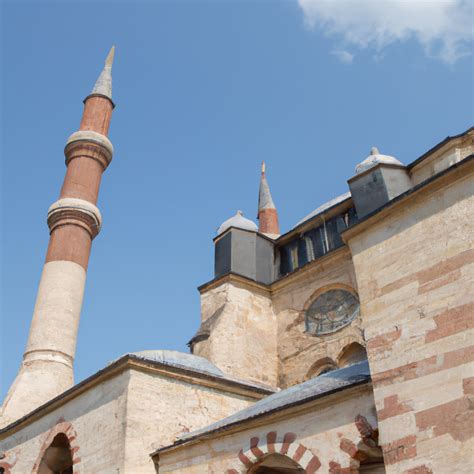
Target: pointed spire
[(103, 85), (267, 213), (265, 200)]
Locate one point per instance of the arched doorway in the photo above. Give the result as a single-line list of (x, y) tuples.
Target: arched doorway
[(276, 464), (57, 459)]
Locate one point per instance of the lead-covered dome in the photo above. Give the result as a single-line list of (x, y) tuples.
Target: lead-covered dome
[(238, 221), (180, 359), (374, 159)]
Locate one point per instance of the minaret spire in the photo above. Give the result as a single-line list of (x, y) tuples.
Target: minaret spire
[(267, 213), (74, 221), (103, 85)]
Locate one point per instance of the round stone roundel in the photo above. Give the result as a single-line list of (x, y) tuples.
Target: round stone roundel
[(331, 311)]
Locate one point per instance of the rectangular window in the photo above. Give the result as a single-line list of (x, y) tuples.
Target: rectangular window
[(302, 252), (285, 260)]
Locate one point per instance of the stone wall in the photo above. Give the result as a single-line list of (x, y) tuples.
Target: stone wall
[(415, 273), (453, 152), (242, 331), (160, 408), (323, 436), (115, 425), (300, 354), (93, 422)]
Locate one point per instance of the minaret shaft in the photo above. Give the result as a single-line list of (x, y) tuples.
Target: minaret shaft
[(74, 221)]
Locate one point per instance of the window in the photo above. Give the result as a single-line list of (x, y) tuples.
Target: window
[(315, 243), (331, 311), (352, 354), (57, 459)]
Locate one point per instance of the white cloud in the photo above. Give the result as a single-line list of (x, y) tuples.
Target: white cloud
[(343, 55), (443, 27)]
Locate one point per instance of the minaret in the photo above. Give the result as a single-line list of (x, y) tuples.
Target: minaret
[(267, 213), (74, 221)]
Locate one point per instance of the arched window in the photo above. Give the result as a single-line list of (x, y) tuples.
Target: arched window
[(322, 366), (352, 354), (57, 459), (276, 464), (331, 311)]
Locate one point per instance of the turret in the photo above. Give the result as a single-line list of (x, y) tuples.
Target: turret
[(74, 221)]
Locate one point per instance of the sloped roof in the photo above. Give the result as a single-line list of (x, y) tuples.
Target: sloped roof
[(317, 387)]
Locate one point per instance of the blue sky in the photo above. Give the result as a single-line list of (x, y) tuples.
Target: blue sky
[(204, 90)]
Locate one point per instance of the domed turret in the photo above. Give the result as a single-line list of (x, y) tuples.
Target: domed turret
[(374, 159), (238, 221)]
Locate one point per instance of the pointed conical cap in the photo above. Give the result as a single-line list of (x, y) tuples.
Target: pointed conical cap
[(265, 200), (103, 85)]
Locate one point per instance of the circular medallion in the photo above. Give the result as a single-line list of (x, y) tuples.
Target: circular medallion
[(331, 311)]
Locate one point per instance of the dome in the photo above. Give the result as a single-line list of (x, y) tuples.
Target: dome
[(325, 206), (238, 221), (180, 359), (374, 159)]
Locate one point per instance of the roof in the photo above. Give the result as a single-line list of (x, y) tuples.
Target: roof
[(438, 146), (318, 387), (180, 360), (375, 158), (367, 163), (238, 221), (324, 207), (171, 364), (103, 85), (265, 200)]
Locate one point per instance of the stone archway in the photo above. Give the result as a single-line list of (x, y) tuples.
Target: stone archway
[(58, 454), (276, 464), (285, 447), (57, 458)]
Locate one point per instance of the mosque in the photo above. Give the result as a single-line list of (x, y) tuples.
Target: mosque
[(344, 345)]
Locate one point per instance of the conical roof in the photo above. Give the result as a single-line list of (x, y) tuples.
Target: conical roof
[(265, 200), (103, 85)]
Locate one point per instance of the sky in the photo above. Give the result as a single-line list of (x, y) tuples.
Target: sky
[(204, 91)]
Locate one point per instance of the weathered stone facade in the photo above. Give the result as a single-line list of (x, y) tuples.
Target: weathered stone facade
[(321, 436), (415, 272), (113, 420)]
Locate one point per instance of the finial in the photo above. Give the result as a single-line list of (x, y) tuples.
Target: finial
[(103, 85), (240, 213), (374, 151), (263, 167)]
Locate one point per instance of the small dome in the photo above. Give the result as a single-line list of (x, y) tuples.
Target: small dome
[(180, 359), (374, 159), (238, 221)]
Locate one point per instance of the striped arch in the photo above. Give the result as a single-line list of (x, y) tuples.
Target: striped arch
[(273, 444), (65, 428)]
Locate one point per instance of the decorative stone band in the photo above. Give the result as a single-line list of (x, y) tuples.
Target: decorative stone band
[(89, 144), (76, 212)]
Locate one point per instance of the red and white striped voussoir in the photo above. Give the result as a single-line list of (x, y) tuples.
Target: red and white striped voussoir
[(258, 448)]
